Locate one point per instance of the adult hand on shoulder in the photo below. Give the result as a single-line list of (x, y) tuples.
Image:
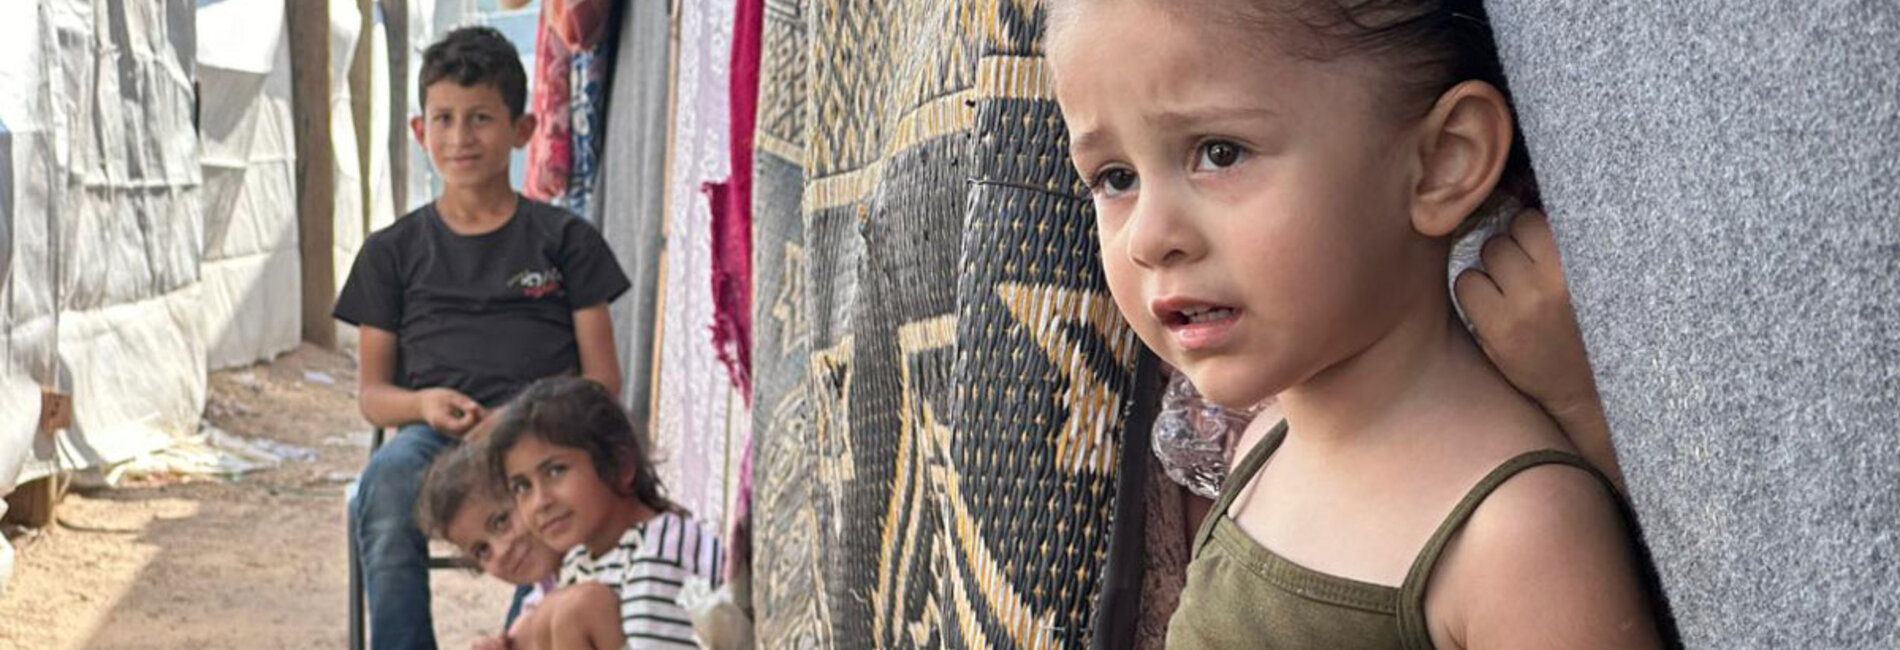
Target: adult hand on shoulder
[(449, 411), (1519, 307)]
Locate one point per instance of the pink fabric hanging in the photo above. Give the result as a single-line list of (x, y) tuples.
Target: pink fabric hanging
[(550, 153), (732, 205), (732, 257)]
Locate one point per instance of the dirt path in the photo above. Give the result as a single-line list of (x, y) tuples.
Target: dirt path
[(258, 562)]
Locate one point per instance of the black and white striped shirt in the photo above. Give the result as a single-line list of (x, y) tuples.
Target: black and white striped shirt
[(646, 569)]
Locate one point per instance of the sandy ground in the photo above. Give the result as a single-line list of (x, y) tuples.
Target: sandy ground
[(256, 562)]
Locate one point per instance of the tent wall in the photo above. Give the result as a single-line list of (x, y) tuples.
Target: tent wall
[(252, 293), (128, 224), (29, 267)]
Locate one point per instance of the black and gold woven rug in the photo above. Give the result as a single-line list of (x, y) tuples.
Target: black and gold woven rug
[(942, 379)]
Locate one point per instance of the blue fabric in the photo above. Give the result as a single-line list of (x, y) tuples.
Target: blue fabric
[(514, 607), (395, 552)]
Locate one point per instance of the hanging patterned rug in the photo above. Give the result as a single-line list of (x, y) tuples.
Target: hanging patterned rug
[(942, 378)]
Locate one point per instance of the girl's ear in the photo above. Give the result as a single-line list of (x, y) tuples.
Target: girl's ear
[(1466, 142)]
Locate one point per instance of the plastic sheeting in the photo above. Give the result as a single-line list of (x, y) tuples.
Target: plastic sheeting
[(130, 226), (252, 289), (348, 223), (364, 190), (28, 270)]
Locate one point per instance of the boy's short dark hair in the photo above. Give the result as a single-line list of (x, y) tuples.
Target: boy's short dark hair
[(475, 56)]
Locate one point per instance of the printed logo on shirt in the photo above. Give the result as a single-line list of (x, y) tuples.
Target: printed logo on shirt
[(535, 284)]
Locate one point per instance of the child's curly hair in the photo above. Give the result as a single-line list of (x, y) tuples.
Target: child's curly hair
[(578, 413)]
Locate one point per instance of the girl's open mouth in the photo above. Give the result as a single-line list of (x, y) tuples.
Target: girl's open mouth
[(1195, 324)]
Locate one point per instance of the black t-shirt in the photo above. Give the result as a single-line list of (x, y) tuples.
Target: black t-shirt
[(487, 314)]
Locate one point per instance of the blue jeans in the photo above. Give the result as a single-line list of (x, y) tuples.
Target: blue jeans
[(394, 550)]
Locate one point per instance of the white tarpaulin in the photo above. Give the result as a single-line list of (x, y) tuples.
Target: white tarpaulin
[(346, 25), (104, 193), (360, 209), (252, 291), (28, 271)]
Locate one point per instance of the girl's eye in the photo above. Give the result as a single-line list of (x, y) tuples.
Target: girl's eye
[(498, 523), (1219, 154), (481, 552), (518, 487), (555, 471), (1113, 182)]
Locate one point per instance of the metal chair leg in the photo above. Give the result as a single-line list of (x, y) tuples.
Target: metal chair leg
[(357, 636), (359, 604), (359, 630)]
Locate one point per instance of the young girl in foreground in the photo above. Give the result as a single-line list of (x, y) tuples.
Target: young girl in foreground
[(582, 478), (1278, 184)]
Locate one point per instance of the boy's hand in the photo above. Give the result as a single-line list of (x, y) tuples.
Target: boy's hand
[(449, 411), (1520, 309)]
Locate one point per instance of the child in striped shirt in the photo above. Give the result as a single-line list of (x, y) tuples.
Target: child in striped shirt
[(583, 480)]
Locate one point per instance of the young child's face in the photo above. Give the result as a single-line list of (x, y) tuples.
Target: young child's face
[(487, 531), (1251, 205), (469, 133), (557, 489)]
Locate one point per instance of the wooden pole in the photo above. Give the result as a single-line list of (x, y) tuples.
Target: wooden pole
[(361, 99), (316, 160), (396, 19)]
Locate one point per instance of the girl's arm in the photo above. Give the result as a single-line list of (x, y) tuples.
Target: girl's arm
[(1520, 312), (588, 619), (594, 333), (584, 616)]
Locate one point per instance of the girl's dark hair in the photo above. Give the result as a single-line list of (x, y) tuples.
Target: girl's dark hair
[(1433, 45), (455, 476), (475, 56), (578, 413)]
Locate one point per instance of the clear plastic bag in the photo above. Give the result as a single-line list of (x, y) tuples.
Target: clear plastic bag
[(718, 622), (1194, 438)]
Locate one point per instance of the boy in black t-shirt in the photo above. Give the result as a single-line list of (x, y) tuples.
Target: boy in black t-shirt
[(460, 304)]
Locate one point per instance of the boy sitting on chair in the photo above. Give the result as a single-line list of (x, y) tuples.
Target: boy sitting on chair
[(460, 304)]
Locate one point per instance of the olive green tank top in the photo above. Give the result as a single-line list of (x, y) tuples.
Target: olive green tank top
[(1241, 595)]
